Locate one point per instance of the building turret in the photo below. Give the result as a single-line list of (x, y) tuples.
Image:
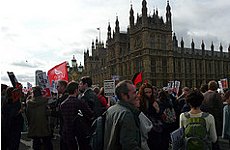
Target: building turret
[(96, 43), (74, 62), (80, 68), (192, 45), (202, 45), (221, 48), (182, 43), (131, 17), (229, 50), (168, 15), (212, 49), (93, 47), (203, 48), (175, 42), (144, 13), (117, 28), (109, 32), (68, 67)]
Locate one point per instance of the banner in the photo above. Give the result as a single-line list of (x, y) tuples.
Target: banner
[(224, 83), (58, 72), (42, 81)]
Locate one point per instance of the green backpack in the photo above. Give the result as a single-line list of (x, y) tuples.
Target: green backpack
[(196, 135)]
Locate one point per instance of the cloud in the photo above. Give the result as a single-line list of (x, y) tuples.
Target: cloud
[(45, 34), (25, 64)]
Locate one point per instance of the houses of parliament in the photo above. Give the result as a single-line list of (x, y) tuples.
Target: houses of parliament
[(149, 45)]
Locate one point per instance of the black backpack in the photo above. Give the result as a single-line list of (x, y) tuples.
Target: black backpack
[(82, 126), (97, 136)]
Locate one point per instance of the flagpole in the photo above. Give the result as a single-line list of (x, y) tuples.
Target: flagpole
[(99, 29)]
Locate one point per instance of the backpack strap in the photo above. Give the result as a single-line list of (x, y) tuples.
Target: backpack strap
[(187, 115), (204, 114)]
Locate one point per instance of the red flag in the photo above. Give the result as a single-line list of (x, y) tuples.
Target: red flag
[(137, 78), (58, 72)]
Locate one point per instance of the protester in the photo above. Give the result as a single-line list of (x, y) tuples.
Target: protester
[(39, 129), (12, 121), (62, 95), (213, 104), (226, 118), (150, 107), (89, 96), (145, 125), (204, 88), (122, 125), (101, 97), (182, 100), (194, 99), (168, 117), (69, 109), (3, 94)]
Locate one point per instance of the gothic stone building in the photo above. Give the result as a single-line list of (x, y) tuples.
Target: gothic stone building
[(149, 46)]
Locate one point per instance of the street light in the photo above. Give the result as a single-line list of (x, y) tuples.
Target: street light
[(80, 68)]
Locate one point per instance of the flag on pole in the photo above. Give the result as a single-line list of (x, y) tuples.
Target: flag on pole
[(137, 78), (58, 72)]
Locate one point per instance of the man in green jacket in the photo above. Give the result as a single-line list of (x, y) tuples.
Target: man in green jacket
[(39, 129), (122, 131)]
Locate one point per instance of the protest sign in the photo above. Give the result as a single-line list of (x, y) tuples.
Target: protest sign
[(109, 88)]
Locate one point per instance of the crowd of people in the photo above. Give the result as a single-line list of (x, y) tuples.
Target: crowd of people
[(136, 118)]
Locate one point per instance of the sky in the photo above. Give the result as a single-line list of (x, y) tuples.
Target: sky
[(39, 34)]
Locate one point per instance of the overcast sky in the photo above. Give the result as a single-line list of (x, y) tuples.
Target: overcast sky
[(39, 34)]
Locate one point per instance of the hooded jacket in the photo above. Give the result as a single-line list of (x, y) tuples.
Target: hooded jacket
[(37, 117)]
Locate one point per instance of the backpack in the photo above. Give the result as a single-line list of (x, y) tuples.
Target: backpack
[(169, 115), (82, 126), (97, 136), (195, 132)]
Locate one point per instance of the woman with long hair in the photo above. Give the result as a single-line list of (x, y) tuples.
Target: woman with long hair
[(150, 107)]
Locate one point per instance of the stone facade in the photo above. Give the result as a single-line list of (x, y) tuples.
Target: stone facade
[(150, 46)]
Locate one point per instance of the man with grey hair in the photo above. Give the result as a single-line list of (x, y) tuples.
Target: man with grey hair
[(122, 125)]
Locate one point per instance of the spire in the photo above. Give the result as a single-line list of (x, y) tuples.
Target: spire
[(221, 47), (202, 45), (131, 17), (93, 45), (175, 42), (109, 32), (212, 46), (157, 12), (182, 43), (229, 48), (144, 13), (117, 28), (144, 8), (168, 14), (74, 62), (192, 45)]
